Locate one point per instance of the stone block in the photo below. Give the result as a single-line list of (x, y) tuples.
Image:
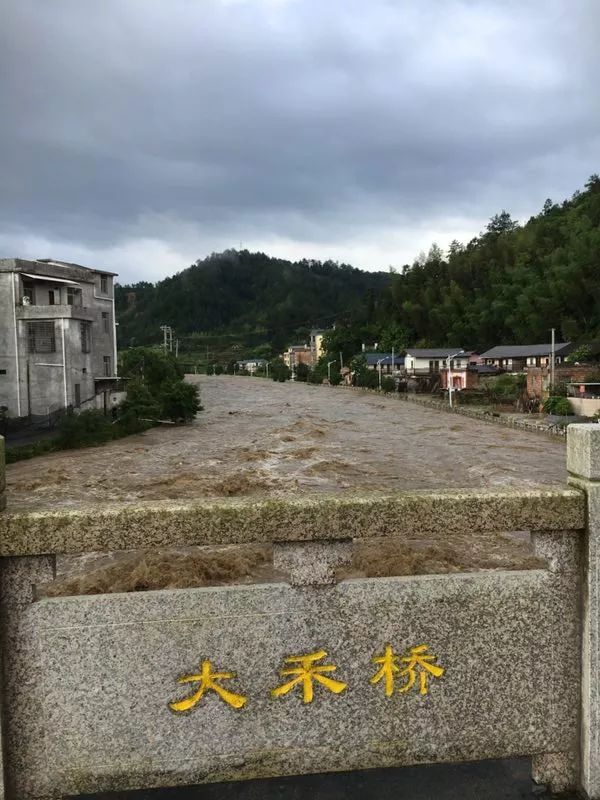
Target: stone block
[(583, 451), (312, 563), (92, 679), (562, 549)]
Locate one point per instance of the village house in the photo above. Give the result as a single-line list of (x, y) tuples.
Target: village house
[(467, 376), (58, 344), (316, 344), (373, 360), (429, 361), (516, 358), (298, 354), (251, 364)]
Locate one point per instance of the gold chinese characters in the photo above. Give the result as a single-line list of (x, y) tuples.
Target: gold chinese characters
[(208, 682), (417, 660), (304, 672)]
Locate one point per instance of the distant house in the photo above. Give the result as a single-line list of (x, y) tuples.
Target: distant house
[(298, 354), (316, 344), (516, 358), (373, 360), (466, 376), (429, 361), (252, 364)]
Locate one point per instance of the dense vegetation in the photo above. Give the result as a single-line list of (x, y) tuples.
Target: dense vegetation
[(509, 285)]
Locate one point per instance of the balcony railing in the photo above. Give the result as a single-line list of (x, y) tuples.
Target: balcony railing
[(54, 312)]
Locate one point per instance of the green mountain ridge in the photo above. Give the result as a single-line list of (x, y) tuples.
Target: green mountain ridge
[(509, 285), (251, 296)]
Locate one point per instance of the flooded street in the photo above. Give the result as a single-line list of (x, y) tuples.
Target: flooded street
[(257, 438)]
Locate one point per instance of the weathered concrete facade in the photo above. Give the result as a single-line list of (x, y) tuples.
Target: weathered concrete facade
[(184, 686), (57, 336)]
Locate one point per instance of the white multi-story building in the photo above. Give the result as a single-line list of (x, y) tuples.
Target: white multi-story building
[(58, 345)]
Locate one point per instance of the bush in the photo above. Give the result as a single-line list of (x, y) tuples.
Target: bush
[(336, 377), (367, 378), (560, 389), (179, 401), (558, 405), (279, 371), (218, 369), (26, 451), (582, 354), (388, 384), (505, 388), (83, 430), (302, 372)]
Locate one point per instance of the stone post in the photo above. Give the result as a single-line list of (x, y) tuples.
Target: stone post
[(583, 464)]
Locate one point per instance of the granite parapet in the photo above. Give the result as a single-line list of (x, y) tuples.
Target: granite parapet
[(404, 515)]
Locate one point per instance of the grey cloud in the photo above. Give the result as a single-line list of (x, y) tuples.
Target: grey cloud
[(299, 119)]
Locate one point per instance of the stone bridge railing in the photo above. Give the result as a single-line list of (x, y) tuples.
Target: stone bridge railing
[(123, 691)]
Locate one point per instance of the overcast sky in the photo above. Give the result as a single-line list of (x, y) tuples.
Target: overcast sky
[(140, 135)]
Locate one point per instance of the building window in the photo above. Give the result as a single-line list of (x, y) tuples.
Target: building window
[(103, 284), (77, 388), (41, 337), (105, 321), (85, 330), (28, 293), (2, 372), (73, 296), (107, 370), (52, 298)]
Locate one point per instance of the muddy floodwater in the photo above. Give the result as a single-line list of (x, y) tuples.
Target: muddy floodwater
[(257, 438)]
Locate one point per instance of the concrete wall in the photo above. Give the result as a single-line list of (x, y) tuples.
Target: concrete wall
[(584, 406), (8, 365)]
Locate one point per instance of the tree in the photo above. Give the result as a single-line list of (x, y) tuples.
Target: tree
[(302, 372), (151, 365), (279, 370), (501, 223), (179, 401), (139, 402), (393, 337), (582, 353)]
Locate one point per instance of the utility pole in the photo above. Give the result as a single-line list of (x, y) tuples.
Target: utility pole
[(450, 377), (379, 371), (553, 348), (329, 363), (176, 348), (341, 360), (167, 337), (393, 362)]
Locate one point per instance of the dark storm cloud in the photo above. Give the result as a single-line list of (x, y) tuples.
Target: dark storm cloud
[(194, 124)]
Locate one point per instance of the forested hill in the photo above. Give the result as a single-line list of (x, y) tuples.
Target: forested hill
[(510, 285), (245, 292)]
